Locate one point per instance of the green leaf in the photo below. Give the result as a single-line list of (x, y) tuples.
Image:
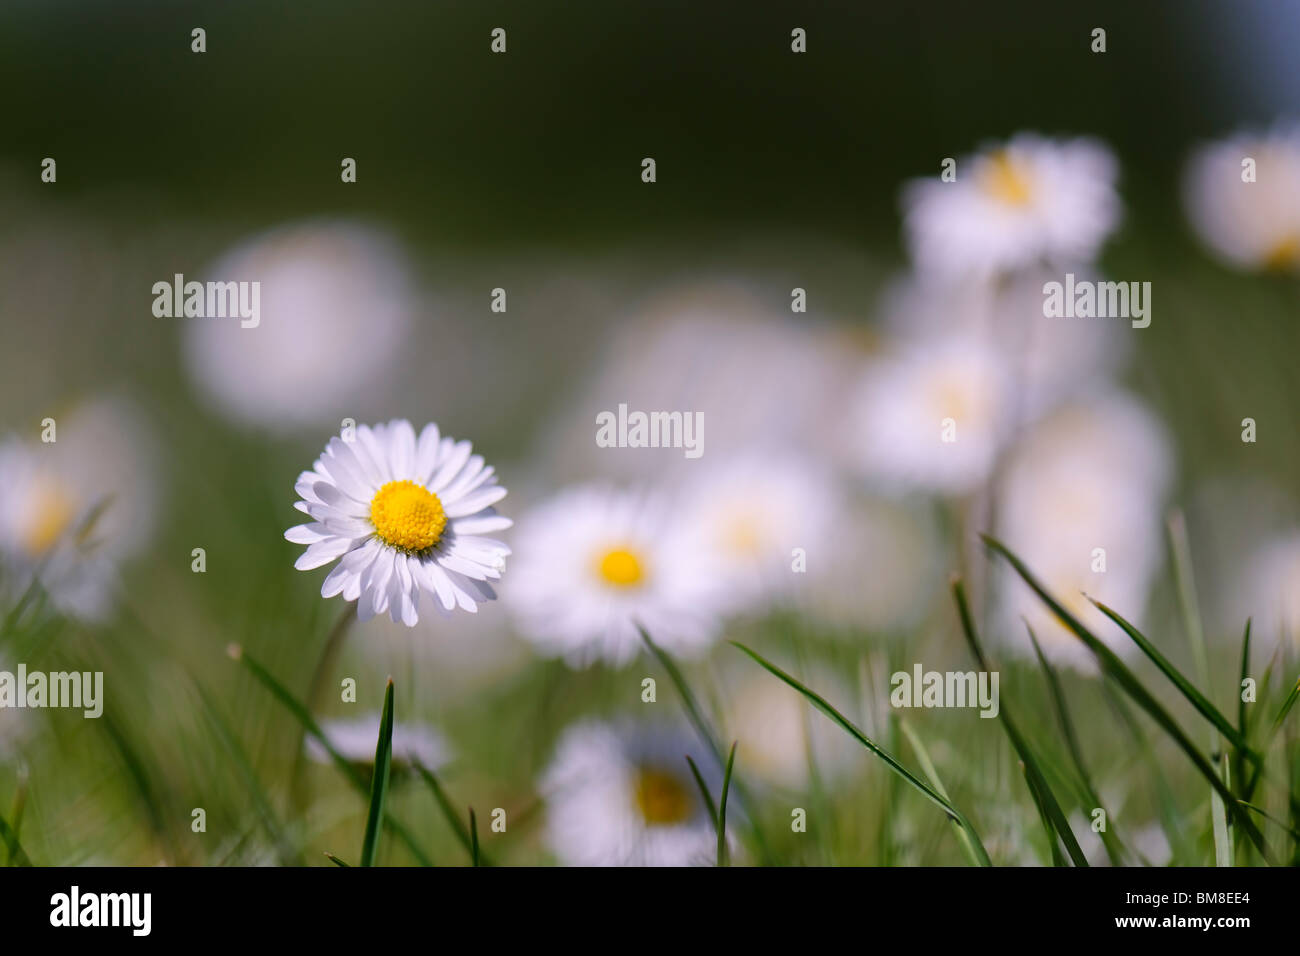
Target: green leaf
[(473, 838), (336, 861), (1047, 803), (890, 760), (1115, 668), (379, 780), (722, 807)]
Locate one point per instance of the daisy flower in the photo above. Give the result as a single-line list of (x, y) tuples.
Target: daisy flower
[(406, 515), (355, 739), (336, 304), (618, 795), (592, 562), (1271, 578), (1251, 225), (1027, 202), (931, 417), (1092, 476), (751, 512), (74, 509)]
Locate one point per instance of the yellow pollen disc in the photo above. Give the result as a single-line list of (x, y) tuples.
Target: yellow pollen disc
[(621, 568), (743, 536), (51, 516), (662, 798), (407, 516), (1285, 255), (1006, 181)]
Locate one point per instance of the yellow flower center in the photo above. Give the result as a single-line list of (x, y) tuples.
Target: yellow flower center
[(743, 536), (621, 568), (662, 798), (1285, 255), (407, 516), (51, 514), (1004, 180)]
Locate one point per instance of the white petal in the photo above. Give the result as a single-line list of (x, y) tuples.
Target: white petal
[(475, 502)]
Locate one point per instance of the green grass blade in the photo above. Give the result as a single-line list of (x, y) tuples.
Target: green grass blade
[(927, 767), (849, 727), (696, 717), (473, 838), (704, 792), (17, 855), (1185, 687), (379, 780), (291, 703), (722, 807), (1123, 677), (1108, 839), (1042, 793), (1286, 706), (261, 803), (449, 813), (337, 862)]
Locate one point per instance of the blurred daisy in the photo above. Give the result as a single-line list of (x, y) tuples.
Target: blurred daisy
[(592, 562), (407, 515), (75, 508), (336, 306), (1080, 504), (782, 737), (1029, 202), (931, 417), (750, 513), (1270, 585), (1251, 225), (355, 738), (618, 795)]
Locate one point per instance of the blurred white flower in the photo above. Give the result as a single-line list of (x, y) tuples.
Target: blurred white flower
[(619, 795), (1049, 359), (355, 738), (750, 512), (592, 562), (757, 376), (1031, 201), (931, 416), (1250, 224), (74, 508), (776, 726), (1269, 584), (1092, 476), (336, 307), (407, 516)]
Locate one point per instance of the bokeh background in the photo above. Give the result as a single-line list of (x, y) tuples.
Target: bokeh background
[(522, 172)]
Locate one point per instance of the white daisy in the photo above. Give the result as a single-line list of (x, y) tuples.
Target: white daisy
[(336, 304), (75, 508), (931, 417), (355, 738), (1028, 202), (1092, 476), (618, 795), (750, 513), (1251, 225), (592, 562), (407, 516)]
